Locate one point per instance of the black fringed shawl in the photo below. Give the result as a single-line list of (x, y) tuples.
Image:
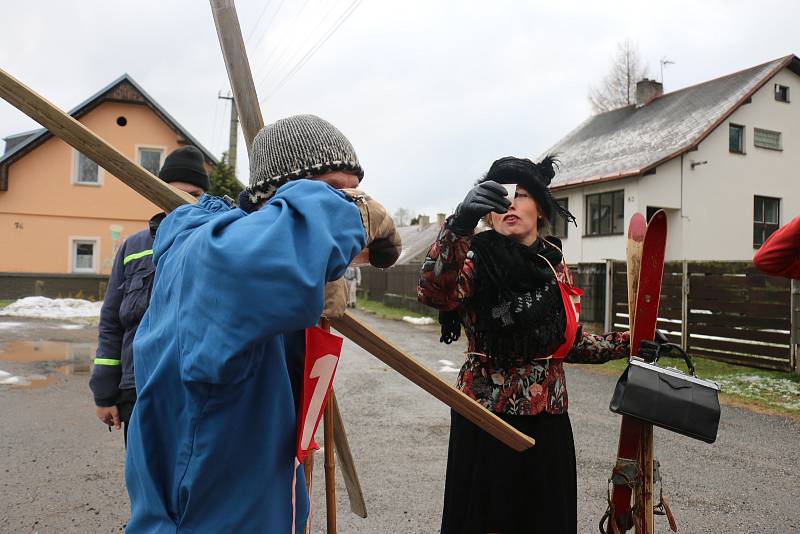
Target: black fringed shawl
[(519, 314)]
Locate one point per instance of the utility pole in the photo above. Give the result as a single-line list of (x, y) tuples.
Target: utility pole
[(234, 133)]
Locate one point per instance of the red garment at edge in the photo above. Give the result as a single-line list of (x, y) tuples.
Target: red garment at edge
[(780, 253)]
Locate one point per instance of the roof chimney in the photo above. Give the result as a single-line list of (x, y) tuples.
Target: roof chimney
[(647, 90), (424, 220)]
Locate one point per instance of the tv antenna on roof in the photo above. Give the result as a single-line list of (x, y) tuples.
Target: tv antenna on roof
[(664, 61)]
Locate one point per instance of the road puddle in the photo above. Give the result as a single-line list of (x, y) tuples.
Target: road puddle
[(76, 358)]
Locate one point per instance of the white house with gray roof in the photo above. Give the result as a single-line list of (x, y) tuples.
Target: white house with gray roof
[(722, 158)]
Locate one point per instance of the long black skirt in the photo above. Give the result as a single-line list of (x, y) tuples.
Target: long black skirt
[(491, 488)]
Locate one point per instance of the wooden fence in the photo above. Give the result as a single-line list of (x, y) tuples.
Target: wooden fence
[(398, 287), (727, 311), (394, 287)]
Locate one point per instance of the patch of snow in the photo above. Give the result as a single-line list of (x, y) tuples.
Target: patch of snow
[(446, 362), (448, 369), (70, 326), (9, 325), (14, 381), (418, 320), (47, 308), (775, 391), (8, 379)]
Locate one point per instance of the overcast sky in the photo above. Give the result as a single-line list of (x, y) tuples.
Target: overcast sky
[(429, 93)]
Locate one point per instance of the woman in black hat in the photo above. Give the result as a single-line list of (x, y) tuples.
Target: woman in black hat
[(511, 290)]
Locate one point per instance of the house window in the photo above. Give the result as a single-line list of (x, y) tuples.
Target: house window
[(86, 171), (651, 210), (84, 256), (766, 217), (605, 213), (781, 93), (150, 159), (736, 138), (767, 139), (560, 224)]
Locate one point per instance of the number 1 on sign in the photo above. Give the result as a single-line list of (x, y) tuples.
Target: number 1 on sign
[(323, 371)]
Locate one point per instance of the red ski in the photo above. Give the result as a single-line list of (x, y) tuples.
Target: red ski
[(646, 244)]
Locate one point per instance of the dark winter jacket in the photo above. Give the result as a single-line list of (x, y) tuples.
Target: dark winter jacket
[(126, 300)]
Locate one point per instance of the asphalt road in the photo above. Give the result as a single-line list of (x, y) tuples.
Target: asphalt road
[(61, 471)]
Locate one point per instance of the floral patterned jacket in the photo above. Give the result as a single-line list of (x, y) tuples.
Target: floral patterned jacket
[(446, 282)]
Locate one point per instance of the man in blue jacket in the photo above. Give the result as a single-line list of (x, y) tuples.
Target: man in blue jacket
[(219, 353), (127, 296)]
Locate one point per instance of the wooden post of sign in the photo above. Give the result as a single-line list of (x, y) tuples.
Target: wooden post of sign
[(308, 471), (330, 462)]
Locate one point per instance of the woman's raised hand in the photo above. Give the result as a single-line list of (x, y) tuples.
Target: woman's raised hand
[(485, 197)]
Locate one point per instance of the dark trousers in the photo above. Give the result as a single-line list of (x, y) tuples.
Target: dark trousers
[(125, 401)]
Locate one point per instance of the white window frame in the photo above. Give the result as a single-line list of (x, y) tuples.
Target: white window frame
[(75, 162), (161, 149), (72, 255)]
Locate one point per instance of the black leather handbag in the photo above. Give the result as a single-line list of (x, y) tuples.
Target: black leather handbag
[(669, 398)]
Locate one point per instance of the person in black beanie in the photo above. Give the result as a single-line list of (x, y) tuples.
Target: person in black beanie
[(128, 295), (511, 290)]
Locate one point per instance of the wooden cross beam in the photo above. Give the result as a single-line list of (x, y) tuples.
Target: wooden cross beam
[(168, 198)]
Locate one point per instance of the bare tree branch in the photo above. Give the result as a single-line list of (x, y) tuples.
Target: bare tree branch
[(618, 87)]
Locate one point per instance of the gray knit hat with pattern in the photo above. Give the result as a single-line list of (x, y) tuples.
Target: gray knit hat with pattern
[(301, 146)]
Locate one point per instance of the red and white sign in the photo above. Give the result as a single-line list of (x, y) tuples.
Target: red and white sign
[(322, 356)]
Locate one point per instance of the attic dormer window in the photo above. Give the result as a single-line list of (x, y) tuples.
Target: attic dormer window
[(781, 93)]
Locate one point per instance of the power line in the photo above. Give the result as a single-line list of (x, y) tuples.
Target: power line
[(281, 50), (278, 67), (258, 20), (269, 25), (314, 49)]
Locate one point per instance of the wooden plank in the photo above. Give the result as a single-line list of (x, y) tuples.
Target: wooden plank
[(728, 282), (346, 463), (749, 335), (774, 311), (238, 67), (748, 361), (741, 348), (88, 143), (733, 320), (741, 294), (407, 366), (723, 267)]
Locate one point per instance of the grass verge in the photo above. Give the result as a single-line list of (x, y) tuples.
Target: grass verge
[(758, 389), (386, 312), (5, 302)]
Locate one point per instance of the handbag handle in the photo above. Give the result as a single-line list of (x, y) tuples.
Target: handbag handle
[(686, 357)]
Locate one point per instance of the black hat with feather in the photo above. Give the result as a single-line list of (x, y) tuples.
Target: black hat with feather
[(534, 177)]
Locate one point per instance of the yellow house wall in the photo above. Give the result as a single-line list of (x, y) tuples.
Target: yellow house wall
[(43, 208)]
